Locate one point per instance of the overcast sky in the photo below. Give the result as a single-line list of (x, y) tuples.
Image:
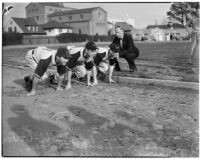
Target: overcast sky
[(143, 13)]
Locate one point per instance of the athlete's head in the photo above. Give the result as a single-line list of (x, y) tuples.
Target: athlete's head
[(62, 56), (91, 48)]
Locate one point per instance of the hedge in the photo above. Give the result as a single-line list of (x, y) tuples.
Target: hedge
[(72, 37), (11, 39)]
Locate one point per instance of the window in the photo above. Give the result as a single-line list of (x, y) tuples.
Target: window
[(32, 10), (146, 34), (178, 34), (137, 34), (37, 18), (60, 30), (100, 16), (81, 16), (36, 28), (31, 28), (9, 29), (11, 22), (15, 29), (36, 9), (70, 17), (50, 9), (59, 18), (166, 34)]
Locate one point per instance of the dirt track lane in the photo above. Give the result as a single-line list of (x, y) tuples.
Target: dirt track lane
[(107, 120)]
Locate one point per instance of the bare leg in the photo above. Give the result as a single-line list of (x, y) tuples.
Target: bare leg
[(69, 76), (110, 74), (88, 78), (94, 74), (34, 87), (60, 80)]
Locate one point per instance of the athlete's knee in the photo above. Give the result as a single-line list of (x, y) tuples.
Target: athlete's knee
[(80, 71), (103, 67)]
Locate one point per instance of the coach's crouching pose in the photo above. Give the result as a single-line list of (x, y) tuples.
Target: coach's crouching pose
[(40, 58)]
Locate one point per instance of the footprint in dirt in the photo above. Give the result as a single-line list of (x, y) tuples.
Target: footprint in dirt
[(104, 135)]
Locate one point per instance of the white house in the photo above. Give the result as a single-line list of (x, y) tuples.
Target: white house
[(22, 25), (54, 28)]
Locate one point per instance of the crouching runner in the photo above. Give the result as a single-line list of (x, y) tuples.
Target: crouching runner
[(113, 56), (88, 61), (40, 59)]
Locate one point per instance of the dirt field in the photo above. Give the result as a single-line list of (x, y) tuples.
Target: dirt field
[(108, 120)]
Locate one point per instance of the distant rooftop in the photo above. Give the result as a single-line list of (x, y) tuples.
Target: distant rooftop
[(54, 24), (125, 26), (167, 26), (75, 11), (24, 22), (52, 4)]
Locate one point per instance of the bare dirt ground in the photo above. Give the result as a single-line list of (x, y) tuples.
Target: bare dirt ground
[(107, 120)]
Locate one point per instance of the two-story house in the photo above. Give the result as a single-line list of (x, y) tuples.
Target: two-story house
[(89, 21), (39, 11), (25, 26)]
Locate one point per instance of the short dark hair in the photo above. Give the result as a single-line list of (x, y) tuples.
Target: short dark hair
[(91, 46), (63, 52), (114, 48)]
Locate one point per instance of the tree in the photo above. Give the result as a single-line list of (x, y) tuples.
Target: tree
[(179, 11)]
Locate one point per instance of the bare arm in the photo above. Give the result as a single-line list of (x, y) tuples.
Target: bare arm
[(69, 76)]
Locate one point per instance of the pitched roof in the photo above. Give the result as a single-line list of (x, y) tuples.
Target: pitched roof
[(75, 11), (23, 22), (167, 26), (124, 25), (54, 24)]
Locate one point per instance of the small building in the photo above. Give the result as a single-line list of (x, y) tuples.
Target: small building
[(167, 32), (141, 34), (25, 26), (54, 28), (39, 11), (89, 21)]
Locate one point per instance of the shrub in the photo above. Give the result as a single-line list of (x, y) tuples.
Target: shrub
[(11, 39), (72, 37)]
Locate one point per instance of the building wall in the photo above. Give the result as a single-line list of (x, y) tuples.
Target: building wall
[(164, 34), (10, 23), (99, 22), (91, 23), (80, 27), (55, 32), (39, 12)]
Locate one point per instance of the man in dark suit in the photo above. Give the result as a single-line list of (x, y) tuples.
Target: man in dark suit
[(127, 48)]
